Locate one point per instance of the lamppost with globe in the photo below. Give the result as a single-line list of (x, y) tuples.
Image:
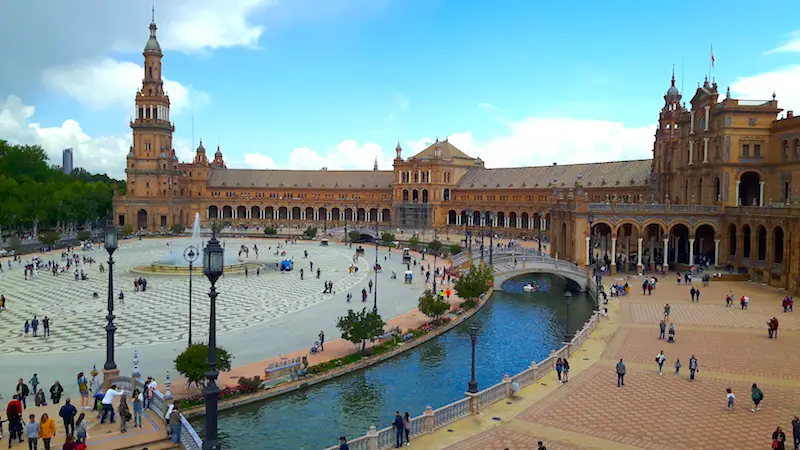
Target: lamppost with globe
[(472, 386), (110, 368), (212, 268), (190, 255), (377, 237)]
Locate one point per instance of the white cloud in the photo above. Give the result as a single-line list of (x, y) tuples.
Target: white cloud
[(347, 155), (488, 106), (259, 161), (98, 155), (792, 46), (103, 83), (783, 81)]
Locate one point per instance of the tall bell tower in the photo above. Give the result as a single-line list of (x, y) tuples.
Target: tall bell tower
[(152, 166)]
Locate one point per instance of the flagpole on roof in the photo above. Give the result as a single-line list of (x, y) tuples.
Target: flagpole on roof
[(711, 63)]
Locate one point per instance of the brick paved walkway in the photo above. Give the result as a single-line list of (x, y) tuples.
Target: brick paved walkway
[(655, 411)]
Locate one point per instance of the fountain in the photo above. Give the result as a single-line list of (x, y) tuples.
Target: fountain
[(175, 263)]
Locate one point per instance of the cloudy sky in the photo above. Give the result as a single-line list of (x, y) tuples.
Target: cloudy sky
[(337, 83)]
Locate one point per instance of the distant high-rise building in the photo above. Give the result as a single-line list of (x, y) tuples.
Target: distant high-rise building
[(66, 157)]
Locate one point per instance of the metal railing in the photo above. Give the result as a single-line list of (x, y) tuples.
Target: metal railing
[(653, 207)]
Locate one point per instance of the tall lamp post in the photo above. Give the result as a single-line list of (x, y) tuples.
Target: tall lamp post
[(468, 235), (567, 301), (590, 219), (491, 238), (110, 368), (325, 220), (190, 255), (541, 215), (212, 269), (472, 386), (483, 218), (375, 297)]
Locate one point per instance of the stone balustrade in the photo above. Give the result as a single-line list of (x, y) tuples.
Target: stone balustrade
[(432, 420)]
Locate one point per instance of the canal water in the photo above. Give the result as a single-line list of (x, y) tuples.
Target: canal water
[(516, 328)]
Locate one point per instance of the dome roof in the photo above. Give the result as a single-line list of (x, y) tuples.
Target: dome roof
[(152, 44), (672, 91)]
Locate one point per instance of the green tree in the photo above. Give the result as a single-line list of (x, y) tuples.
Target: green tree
[(177, 229), (455, 249), (270, 231), (310, 232), (413, 242), (192, 363), (48, 238), (84, 235), (387, 238), (432, 305), (127, 229), (360, 327), (15, 243), (435, 246), (475, 282), (354, 236)]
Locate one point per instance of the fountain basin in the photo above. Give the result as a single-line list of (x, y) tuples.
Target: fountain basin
[(183, 270)]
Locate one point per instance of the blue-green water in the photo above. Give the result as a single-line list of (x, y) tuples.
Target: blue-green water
[(516, 328)]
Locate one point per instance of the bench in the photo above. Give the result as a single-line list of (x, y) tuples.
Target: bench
[(282, 368)]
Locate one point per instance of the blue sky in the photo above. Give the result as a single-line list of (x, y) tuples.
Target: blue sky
[(502, 78)]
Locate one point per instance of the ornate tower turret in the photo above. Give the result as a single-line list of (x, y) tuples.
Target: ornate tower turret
[(218, 161)]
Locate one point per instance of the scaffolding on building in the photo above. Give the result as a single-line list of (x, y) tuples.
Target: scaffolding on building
[(413, 215)]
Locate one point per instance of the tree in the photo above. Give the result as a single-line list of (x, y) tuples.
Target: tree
[(435, 246), (354, 236), (475, 282), (359, 327), (48, 238), (387, 238), (432, 305), (216, 227), (413, 242), (192, 363), (310, 233), (127, 229), (270, 231), (177, 229), (84, 235), (15, 243), (455, 249)]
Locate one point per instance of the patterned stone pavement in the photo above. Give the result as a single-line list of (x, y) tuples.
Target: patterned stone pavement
[(502, 438), (709, 315), (142, 318)]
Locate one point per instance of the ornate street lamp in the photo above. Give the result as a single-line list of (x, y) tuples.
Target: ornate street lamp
[(190, 255), (377, 237), (111, 246), (541, 219), (568, 301), (213, 256), (484, 215), (491, 238), (472, 386), (468, 234), (590, 219)]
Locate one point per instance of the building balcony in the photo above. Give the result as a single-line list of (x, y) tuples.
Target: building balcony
[(653, 208)]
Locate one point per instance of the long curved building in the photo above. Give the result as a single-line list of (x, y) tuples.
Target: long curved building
[(719, 189)]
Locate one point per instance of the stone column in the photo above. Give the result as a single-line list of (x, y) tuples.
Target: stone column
[(705, 150), (613, 254), (367, 215), (761, 193), (738, 182), (167, 386), (708, 110), (666, 253), (372, 438), (676, 247), (716, 252), (588, 251), (208, 215), (691, 251), (691, 126), (639, 254), (691, 154), (428, 420)]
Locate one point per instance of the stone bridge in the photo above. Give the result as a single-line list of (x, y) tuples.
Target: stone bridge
[(530, 261)]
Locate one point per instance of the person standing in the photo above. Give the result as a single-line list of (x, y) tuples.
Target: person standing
[(46, 326), (108, 402), (620, 373), (757, 397), (81, 429), (34, 381), (731, 399), (32, 430), (398, 429), (796, 432), (343, 445), (559, 368), (660, 358), (15, 421), (124, 414), (693, 368), (321, 340), (138, 408), (662, 329), (407, 427), (23, 391), (67, 414), (175, 425), (779, 439), (56, 391), (83, 389), (35, 326), (565, 375), (47, 429)]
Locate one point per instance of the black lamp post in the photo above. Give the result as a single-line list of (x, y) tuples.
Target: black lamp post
[(325, 220), (212, 268), (483, 218), (190, 255), (468, 234), (472, 386), (111, 246), (377, 237), (491, 238), (541, 218), (590, 219), (434, 271), (568, 301)]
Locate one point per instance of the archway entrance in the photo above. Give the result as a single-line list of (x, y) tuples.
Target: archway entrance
[(679, 235), (761, 243), (653, 248), (601, 243), (750, 189), (747, 237), (732, 240), (777, 241), (704, 245), (141, 220)]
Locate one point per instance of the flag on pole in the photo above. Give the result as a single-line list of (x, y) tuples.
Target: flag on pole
[(712, 57)]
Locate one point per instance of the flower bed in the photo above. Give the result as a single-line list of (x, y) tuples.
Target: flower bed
[(245, 386)]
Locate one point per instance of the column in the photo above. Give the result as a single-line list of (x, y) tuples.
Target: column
[(705, 150), (691, 251), (588, 251), (399, 177), (691, 154), (429, 175), (738, 182), (249, 214), (666, 252), (367, 215), (208, 215), (419, 176), (613, 253), (289, 214), (639, 253), (519, 222), (761, 193), (483, 220), (716, 252), (235, 213), (708, 109), (675, 247), (691, 126)]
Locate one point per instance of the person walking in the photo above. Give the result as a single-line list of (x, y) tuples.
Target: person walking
[(796, 432), (81, 429), (779, 439), (47, 429), (660, 358), (398, 429), (56, 391), (565, 375), (23, 391), (757, 397), (34, 381), (32, 430), (620, 373), (124, 414), (559, 368), (407, 427), (138, 408), (693, 368), (731, 399), (67, 414)]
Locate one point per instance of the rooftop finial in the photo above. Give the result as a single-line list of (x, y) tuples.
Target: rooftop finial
[(673, 74), (153, 11)]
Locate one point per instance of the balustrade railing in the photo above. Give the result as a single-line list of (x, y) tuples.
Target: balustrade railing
[(432, 420), (652, 207)]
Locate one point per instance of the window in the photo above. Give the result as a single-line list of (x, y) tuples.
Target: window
[(785, 150), (147, 146), (787, 189), (746, 151), (757, 151)]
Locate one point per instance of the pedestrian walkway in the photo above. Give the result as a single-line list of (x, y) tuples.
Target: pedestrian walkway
[(655, 411)]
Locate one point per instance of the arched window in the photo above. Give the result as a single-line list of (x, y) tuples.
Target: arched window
[(447, 195), (785, 150), (150, 69)]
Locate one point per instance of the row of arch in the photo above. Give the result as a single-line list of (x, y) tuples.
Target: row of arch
[(499, 219), (298, 213), (757, 238)]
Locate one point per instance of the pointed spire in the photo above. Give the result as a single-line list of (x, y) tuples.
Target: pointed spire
[(673, 74), (375, 165), (152, 43)]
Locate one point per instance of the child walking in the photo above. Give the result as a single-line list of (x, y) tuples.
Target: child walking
[(731, 399)]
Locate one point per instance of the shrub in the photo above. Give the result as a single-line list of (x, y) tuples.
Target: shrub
[(177, 229), (310, 233), (191, 363), (84, 235), (270, 231), (249, 385), (432, 305), (455, 249), (468, 304), (435, 246), (49, 238), (127, 229)]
